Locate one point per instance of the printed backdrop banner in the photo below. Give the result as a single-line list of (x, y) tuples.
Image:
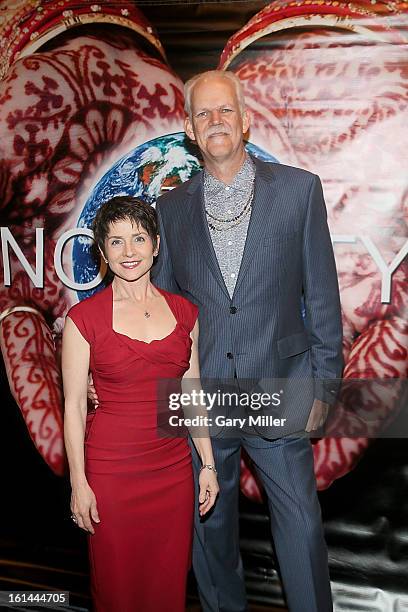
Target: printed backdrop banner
[(92, 111)]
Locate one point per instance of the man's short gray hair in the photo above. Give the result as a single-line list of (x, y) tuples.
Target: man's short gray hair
[(225, 74)]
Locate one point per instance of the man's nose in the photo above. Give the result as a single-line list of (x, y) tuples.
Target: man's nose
[(215, 117)]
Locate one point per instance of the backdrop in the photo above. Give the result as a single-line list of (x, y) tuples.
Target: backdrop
[(90, 108)]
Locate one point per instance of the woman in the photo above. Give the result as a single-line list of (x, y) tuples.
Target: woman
[(132, 490)]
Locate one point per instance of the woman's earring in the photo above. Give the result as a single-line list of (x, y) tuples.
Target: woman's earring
[(102, 255)]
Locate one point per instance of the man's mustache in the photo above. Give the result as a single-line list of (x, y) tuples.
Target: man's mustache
[(218, 130)]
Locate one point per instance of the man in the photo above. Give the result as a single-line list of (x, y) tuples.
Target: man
[(247, 241), (231, 239)]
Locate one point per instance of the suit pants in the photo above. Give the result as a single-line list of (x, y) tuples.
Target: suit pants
[(285, 467)]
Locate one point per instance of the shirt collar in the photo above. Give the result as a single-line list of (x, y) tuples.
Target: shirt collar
[(240, 182)]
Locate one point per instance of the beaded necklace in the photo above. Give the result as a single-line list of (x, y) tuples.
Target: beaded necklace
[(234, 221)]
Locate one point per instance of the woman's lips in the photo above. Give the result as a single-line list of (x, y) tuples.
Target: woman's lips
[(129, 265)]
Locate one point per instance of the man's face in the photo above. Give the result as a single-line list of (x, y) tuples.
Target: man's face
[(217, 123)]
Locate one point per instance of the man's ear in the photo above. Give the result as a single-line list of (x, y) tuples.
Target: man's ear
[(188, 128), (246, 121)]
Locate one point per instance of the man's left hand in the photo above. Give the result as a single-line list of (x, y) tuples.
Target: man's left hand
[(318, 415)]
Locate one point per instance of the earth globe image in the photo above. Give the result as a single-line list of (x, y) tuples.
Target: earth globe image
[(146, 172)]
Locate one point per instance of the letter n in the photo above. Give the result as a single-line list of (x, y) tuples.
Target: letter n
[(37, 276)]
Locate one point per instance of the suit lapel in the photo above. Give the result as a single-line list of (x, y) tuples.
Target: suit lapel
[(264, 195), (201, 230)]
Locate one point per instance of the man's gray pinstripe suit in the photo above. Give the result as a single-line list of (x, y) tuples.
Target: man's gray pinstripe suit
[(288, 254)]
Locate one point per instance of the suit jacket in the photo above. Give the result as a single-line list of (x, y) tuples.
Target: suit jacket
[(288, 261)]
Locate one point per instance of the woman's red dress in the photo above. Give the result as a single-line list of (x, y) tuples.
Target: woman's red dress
[(140, 553)]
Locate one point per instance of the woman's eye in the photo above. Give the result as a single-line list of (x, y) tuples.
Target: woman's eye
[(139, 239), (115, 242)]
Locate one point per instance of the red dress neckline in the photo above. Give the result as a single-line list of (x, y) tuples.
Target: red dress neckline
[(165, 295)]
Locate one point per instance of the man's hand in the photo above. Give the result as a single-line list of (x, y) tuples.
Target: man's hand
[(318, 415), (92, 395)]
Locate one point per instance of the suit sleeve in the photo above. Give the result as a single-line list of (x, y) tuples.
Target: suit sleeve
[(162, 271), (322, 300)]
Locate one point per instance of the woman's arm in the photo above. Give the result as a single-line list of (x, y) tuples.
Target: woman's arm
[(208, 483), (75, 366)]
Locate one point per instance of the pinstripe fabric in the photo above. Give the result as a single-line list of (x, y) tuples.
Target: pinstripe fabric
[(285, 468), (288, 253), (216, 558)]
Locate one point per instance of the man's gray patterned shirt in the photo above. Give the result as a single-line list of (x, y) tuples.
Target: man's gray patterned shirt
[(226, 202)]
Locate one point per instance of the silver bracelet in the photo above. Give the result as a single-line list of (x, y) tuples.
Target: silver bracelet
[(209, 466)]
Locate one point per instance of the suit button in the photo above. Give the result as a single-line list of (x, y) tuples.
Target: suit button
[(233, 309), (230, 356)]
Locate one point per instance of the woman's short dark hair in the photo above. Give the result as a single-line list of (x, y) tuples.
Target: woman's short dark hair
[(124, 208)]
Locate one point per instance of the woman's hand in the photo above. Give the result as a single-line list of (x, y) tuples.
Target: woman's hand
[(83, 507), (208, 490)]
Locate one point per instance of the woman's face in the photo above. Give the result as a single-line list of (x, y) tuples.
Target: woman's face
[(129, 250)]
